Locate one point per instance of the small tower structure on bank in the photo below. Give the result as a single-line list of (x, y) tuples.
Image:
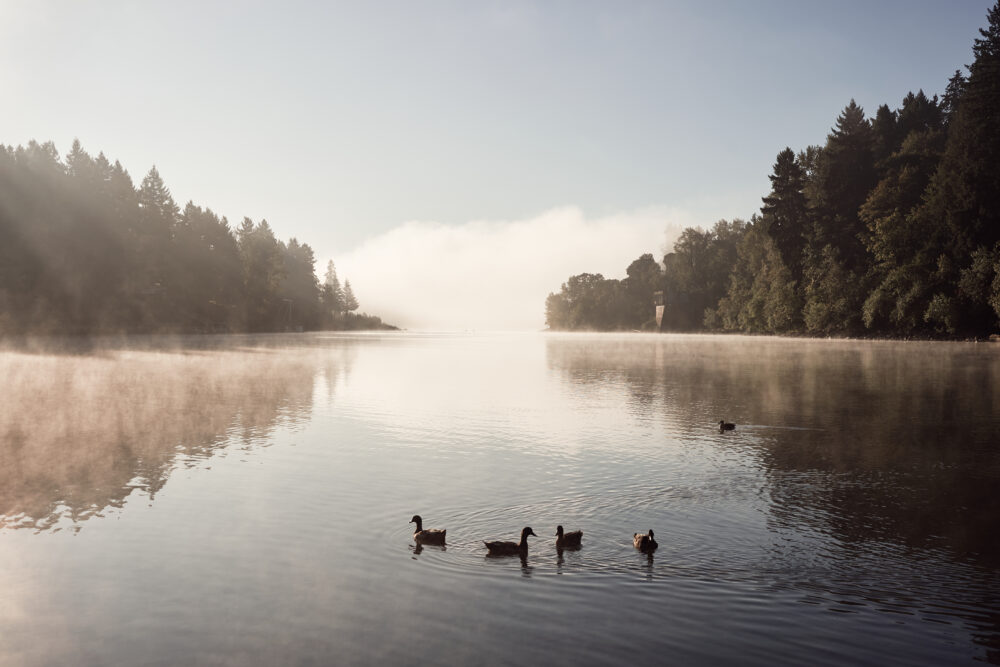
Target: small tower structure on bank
[(660, 308)]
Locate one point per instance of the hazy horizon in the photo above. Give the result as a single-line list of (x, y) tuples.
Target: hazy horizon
[(410, 144)]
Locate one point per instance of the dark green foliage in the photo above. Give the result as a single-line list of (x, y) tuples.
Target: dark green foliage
[(696, 273), (845, 173), (785, 212), (903, 244), (644, 278), (833, 295), (886, 130), (761, 297), (892, 227), (590, 302), (83, 251), (963, 198), (952, 94)]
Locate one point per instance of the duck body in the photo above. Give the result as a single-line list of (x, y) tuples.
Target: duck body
[(568, 540), (644, 542), (510, 548), (429, 536), (726, 426)]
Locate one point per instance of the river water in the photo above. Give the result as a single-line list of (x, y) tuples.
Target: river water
[(245, 500)]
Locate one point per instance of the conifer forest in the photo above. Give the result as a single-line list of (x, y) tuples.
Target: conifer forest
[(890, 228), (83, 251)]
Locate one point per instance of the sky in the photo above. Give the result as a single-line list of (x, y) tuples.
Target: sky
[(458, 161)]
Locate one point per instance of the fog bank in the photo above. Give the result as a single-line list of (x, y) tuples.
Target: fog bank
[(495, 275)]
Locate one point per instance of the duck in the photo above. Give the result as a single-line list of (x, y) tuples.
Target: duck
[(569, 540), (511, 548), (644, 542), (429, 536), (726, 426)]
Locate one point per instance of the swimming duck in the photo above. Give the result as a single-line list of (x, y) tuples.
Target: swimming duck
[(429, 536), (644, 542), (568, 539), (726, 426), (511, 548)]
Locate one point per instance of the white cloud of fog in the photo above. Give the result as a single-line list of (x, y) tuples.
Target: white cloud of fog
[(489, 275)]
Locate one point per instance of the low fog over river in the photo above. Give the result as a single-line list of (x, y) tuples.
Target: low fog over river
[(245, 500)]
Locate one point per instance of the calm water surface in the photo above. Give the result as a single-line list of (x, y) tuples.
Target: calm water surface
[(244, 500)]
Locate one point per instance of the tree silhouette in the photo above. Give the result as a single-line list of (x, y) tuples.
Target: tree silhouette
[(350, 302)]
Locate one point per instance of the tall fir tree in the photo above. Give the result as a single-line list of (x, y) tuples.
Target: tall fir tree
[(333, 292), (350, 301), (845, 173), (785, 213), (962, 202)]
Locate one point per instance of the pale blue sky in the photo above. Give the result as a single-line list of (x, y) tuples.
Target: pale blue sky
[(338, 122)]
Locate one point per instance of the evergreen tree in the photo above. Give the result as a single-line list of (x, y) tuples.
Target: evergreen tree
[(206, 282), (263, 273), (886, 132), (299, 287), (333, 293), (80, 165), (901, 244), (785, 213), (350, 303), (845, 173), (952, 94), (919, 114), (157, 215), (158, 206), (83, 251), (962, 198)]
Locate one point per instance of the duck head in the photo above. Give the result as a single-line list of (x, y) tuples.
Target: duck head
[(559, 531), (527, 531), (417, 520)]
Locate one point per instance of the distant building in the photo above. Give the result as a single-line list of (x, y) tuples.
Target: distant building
[(660, 308)]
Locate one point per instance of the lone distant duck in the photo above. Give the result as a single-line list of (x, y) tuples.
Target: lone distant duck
[(726, 426), (644, 542), (429, 536), (568, 540), (511, 548)]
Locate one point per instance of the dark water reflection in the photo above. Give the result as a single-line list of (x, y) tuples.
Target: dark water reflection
[(866, 441), (880, 461), (245, 500)]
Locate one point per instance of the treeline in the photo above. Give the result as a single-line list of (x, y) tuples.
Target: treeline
[(84, 251), (892, 227)]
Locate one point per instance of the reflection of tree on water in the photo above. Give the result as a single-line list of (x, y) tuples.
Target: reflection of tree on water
[(897, 440), (867, 444), (79, 433)]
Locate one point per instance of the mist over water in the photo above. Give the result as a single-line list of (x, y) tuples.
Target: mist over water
[(430, 276), (244, 500)]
